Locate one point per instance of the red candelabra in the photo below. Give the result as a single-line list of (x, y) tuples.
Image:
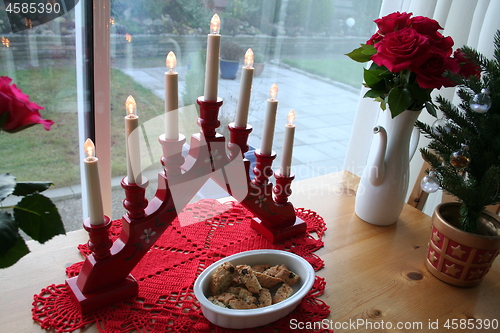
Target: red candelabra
[(105, 275)]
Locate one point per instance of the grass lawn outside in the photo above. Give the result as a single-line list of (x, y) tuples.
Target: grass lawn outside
[(37, 154), (341, 70)]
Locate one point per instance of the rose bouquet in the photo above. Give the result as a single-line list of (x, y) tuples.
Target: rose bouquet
[(410, 57), (35, 214)]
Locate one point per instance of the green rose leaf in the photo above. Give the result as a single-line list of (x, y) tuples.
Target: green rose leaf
[(374, 78), (363, 53), (8, 232), (27, 188), (374, 93), (7, 185), (419, 93), (399, 100), (38, 217), (19, 250)]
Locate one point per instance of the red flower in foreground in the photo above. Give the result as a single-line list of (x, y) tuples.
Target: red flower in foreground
[(16, 110)]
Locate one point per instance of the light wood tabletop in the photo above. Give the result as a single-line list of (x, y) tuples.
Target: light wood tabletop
[(376, 277)]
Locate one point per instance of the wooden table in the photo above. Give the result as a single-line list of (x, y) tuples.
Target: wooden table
[(376, 278)]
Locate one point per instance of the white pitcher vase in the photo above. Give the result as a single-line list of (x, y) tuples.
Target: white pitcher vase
[(383, 186)]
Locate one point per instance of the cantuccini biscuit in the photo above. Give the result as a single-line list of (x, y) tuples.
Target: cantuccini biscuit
[(239, 304), (260, 268), (248, 277), (283, 292), (222, 278), (275, 269), (287, 276), (245, 287), (267, 281), (265, 298)]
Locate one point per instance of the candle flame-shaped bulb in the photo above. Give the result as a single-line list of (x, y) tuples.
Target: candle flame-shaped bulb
[(5, 42), (130, 106), (249, 58), (291, 117), (128, 37), (273, 92), (215, 25), (89, 148), (171, 61)]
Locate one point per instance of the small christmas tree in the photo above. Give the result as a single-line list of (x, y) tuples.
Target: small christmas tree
[(464, 151)]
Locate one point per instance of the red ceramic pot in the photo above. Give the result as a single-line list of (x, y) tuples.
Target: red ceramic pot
[(458, 257)]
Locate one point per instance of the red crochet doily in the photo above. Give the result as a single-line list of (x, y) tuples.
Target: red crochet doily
[(166, 275)]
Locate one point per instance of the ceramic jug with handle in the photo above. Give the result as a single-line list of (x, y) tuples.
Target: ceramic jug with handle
[(383, 186)]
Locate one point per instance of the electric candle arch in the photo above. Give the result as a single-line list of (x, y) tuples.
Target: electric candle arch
[(105, 275)]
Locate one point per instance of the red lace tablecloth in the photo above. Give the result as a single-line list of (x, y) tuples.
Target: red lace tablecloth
[(166, 275)]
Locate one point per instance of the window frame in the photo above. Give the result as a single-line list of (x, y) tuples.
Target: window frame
[(93, 85)]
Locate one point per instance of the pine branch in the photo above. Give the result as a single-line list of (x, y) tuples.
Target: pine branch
[(496, 53), (477, 185)]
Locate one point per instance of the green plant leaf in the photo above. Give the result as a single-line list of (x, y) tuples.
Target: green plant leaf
[(27, 188), (7, 185), (374, 93), (373, 77), (419, 93), (19, 250), (38, 217), (8, 232), (363, 53), (399, 100), (431, 109)]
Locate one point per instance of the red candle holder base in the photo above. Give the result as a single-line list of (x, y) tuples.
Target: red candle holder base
[(103, 297), (279, 234), (105, 275)]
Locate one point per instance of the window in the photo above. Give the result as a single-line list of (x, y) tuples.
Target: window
[(38, 52), (300, 44)]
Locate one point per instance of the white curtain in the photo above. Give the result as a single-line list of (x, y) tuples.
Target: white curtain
[(468, 22)]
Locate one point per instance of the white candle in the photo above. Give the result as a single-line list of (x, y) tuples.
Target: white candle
[(212, 63), (11, 68), (286, 157), (129, 51), (133, 152), (96, 212), (270, 121), (171, 99), (245, 91)]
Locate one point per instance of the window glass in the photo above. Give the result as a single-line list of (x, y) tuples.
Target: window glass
[(38, 54), (298, 44)]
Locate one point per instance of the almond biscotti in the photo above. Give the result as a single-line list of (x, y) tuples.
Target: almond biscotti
[(246, 287)]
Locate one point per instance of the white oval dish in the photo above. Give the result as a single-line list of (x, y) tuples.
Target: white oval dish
[(239, 319)]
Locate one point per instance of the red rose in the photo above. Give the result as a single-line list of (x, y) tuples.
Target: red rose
[(16, 110), (442, 43), (430, 73), (425, 25), (377, 37), (401, 49), (393, 22), (467, 68), (430, 27)]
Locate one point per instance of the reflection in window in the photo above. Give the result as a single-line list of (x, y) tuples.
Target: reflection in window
[(298, 44), (40, 59)]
